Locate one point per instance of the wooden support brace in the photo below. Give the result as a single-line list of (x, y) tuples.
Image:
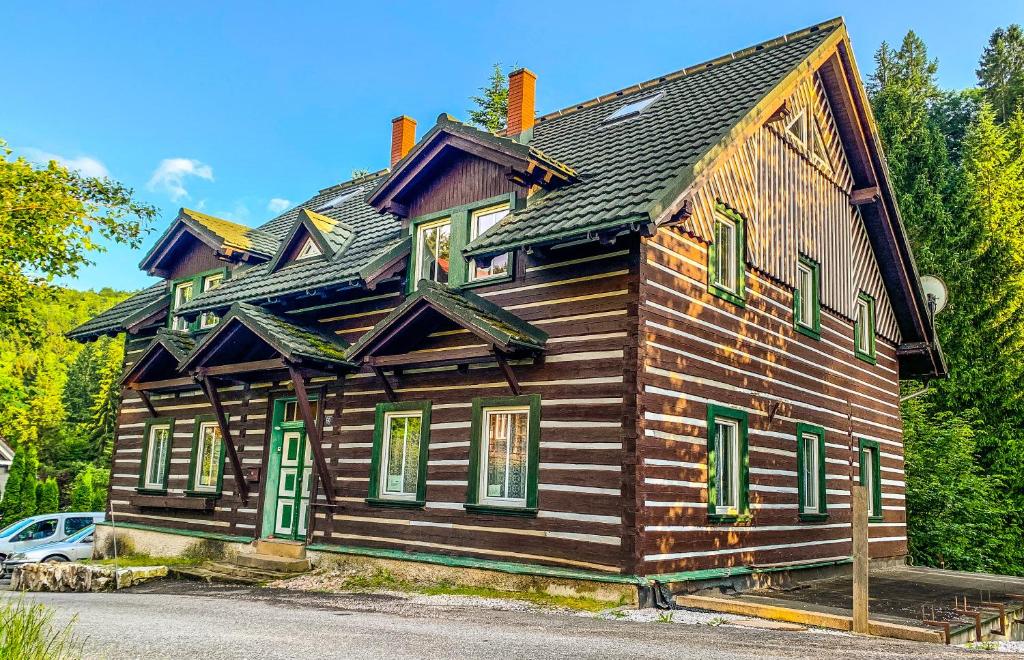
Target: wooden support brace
[(510, 376), (144, 395), (388, 390), (312, 432), (225, 432), (862, 196)]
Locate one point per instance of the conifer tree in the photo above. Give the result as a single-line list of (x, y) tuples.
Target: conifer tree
[(48, 500), (1001, 71), (106, 402), (491, 108), (10, 506), (28, 485), (81, 492)]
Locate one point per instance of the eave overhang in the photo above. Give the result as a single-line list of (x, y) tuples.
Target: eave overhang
[(228, 240), (524, 164), (158, 363)]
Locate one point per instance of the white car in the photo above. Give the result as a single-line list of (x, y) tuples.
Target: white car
[(43, 529), (76, 547)]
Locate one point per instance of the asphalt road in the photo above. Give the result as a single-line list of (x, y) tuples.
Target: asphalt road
[(184, 620)]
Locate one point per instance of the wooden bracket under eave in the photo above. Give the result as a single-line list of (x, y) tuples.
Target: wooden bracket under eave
[(144, 395), (312, 428), (506, 369), (388, 390), (863, 196), (222, 422)]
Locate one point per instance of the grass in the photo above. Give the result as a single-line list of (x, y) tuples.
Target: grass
[(383, 580), (27, 633)]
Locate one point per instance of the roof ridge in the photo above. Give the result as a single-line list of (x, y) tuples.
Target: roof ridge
[(696, 68)]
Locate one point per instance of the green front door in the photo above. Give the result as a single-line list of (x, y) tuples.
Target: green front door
[(289, 476), (293, 485)]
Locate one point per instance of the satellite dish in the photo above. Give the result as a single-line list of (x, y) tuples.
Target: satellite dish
[(935, 292)]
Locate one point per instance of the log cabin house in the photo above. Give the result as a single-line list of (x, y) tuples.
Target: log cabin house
[(654, 335)]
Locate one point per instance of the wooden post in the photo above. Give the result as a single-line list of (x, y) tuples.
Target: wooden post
[(225, 432), (312, 433), (860, 559)]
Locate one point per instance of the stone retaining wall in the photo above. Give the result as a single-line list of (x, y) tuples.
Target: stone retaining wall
[(52, 576)]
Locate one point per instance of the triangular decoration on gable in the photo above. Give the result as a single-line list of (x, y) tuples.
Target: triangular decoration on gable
[(818, 150), (797, 127), (308, 249)]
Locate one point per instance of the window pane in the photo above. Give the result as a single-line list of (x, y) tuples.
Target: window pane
[(434, 247), (481, 222), (209, 456), (725, 254), (159, 438), (863, 326), (182, 294), (402, 454), (726, 472), (810, 470), (807, 301), (506, 454)]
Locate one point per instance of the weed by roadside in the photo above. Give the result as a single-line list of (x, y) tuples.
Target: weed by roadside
[(27, 632)]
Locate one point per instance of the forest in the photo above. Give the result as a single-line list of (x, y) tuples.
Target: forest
[(956, 160)]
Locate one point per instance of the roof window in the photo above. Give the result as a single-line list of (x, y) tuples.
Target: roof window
[(341, 199), (632, 109)]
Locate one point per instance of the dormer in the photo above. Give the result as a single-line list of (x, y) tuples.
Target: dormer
[(197, 253), (313, 236)]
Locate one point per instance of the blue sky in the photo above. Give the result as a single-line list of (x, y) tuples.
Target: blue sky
[(232, 107)]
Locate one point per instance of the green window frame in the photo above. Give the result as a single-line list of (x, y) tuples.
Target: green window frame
[(864, 328), (807, 303), (198, 284), (460, 220), (812, 491), (194, 487), (378, 494), (738, 466), (477, 498), (871, 477), (146, 485), (727, 277)]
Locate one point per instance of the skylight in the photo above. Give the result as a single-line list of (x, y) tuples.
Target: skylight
[(341, 199), (632, 109)]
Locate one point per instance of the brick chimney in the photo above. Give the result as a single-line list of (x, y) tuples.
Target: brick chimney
[(522, 94), (403, 137)]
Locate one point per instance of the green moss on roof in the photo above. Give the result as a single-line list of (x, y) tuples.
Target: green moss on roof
[(234, 235), (293, 338)]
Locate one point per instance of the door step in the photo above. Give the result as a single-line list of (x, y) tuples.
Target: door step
[(231, 573), (264, 562), (280, 548)]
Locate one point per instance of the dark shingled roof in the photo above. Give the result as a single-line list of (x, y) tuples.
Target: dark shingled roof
[(178, 344), (620, 173), (114, 320), (466, 308), (373, 235), (292, 339), (629, 167)]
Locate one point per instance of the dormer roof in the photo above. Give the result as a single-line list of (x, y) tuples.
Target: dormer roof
[(227, 239), (331, 237), (526, 164)]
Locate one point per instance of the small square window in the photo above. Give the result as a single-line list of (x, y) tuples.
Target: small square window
[(480, 221)]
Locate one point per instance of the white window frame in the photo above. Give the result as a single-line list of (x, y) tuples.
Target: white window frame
[(421, 230), (733, 467), (197, 485), (811, 476), (485, 443), (309, 250), (727, 259), (161, 483), (180, 323), (474, 231), (385, 453), (864, 324), (807, 302), (210, 282)]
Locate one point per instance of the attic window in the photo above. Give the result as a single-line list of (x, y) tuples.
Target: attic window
[(632, 109), (340, 199), (309, 249)]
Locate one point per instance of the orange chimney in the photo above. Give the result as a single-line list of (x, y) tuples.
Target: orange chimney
[(522, 94), (403, 137)]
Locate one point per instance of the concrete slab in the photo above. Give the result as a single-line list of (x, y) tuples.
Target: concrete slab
[(905, 595)]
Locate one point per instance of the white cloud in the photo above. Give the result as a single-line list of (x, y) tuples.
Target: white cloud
[(170, 175), (278, 205), (87, 165), (239, 212)]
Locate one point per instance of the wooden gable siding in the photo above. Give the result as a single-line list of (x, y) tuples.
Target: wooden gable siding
[(795, 206), (462, 179), (697, 349), (581, 297), (193, 257)]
